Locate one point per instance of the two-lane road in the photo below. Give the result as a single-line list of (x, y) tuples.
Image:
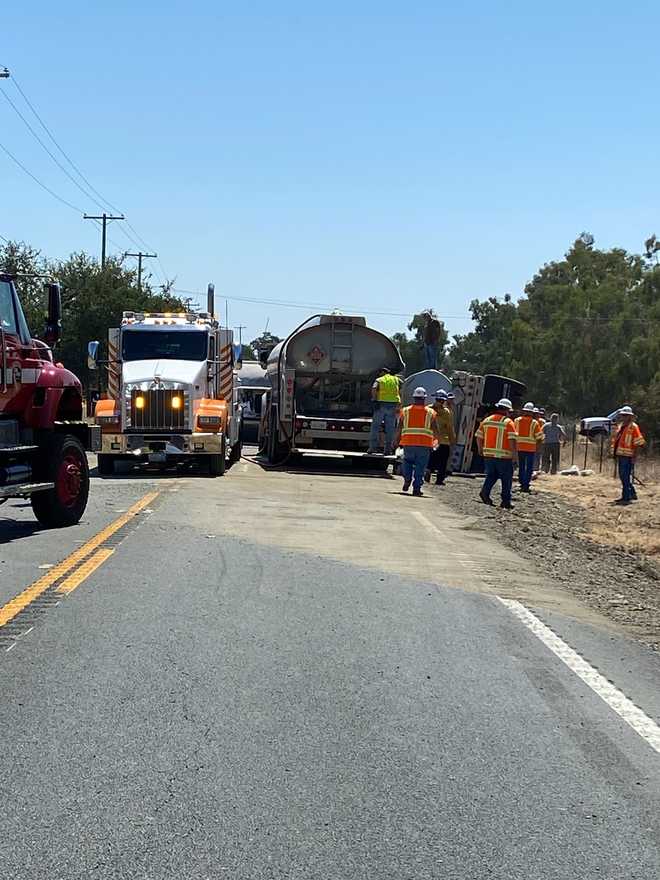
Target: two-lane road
[(308, 675)]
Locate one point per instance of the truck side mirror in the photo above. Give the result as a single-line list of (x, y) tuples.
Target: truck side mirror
[(54, 320), (92, 355)]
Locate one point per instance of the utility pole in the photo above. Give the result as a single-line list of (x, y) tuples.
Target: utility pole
[(140, 256), (240, 329), (104, 217)]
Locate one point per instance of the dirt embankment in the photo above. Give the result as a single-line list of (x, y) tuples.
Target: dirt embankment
[(605, 555)]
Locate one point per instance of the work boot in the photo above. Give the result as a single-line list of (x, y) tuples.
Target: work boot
[(507, 506), (486, 499), (406, 485), (439, 482), (418, 493)]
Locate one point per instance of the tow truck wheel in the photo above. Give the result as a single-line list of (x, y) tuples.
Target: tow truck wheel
[(106, 465), (218, 463), (63, 461)]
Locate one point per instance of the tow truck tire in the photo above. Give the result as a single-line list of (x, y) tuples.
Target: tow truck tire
[(106, 465), (63, 462), (218, 463)]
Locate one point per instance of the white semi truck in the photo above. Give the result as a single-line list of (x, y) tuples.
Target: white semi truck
[(320, 378), (171, 393)]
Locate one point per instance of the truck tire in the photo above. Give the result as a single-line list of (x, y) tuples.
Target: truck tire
[(62, 461), (276, 451), (218, 463), (106, 465), (236, 452)]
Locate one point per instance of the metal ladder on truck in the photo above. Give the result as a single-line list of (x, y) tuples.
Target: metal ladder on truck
[(341, 350)]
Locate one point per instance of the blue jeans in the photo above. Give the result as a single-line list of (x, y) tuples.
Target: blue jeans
[(499, 469), (626, 475), (525, 468), (415, 462), (430, 356), (383, 413)]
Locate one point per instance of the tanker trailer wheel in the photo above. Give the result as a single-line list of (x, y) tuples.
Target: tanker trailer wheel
[(218, 463), (106, 465), (236, 452), (63, 461)]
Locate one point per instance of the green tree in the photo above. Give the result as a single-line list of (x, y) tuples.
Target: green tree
[(489, 347)]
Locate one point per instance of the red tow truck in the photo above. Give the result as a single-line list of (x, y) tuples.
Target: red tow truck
[(43, 437)]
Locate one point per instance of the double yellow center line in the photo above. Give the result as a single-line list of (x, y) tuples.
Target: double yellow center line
[(78, 566)]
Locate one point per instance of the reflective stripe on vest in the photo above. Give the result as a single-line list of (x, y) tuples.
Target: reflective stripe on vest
[(528, 432), (496, 431), (388, 389), (417, 426)]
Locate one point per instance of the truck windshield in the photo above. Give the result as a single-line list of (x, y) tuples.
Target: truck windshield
[(7, 313), (180, 345)]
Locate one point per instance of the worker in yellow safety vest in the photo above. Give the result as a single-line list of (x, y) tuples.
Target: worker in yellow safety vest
[(386, 397), (496, 439), (418, 432), (626, 443), (529, 441)]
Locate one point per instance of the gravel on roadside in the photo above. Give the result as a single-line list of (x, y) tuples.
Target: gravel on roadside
[(552, 530)]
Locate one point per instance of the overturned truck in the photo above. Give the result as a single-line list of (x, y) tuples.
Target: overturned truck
[(320, 378)]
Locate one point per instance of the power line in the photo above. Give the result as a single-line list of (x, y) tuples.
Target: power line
[(297, 305), (135, 238), (61, 150), (39, 182), (50, 153)]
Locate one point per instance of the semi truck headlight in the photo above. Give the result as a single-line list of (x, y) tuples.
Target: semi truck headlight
[(139, 403), (176, 403)]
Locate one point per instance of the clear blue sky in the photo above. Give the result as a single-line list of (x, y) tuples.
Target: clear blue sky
[(380, 155)]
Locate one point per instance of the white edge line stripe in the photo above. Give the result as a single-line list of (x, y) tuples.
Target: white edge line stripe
[(615, 699)]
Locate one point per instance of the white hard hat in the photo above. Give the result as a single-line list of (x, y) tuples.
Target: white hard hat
[(441, 394), (626, 411), (419, 392), (504, 403), (528, 407)]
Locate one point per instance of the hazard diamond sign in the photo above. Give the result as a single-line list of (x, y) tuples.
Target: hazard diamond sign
[(316, 355)]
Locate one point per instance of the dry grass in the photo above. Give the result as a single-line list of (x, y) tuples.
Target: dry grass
[(635, 528)]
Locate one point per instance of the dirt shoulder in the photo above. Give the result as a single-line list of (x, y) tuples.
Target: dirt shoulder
[(606, 556)]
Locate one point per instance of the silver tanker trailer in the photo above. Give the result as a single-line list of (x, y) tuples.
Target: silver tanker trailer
[(320, 380)]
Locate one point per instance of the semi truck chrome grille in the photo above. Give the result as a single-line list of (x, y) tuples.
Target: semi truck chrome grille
[(158, 408)]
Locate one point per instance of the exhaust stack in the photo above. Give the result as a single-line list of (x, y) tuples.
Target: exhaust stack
[(210, 300)]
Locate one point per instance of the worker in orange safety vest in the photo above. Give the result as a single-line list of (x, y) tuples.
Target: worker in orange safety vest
[(626, 442), (418, 432), (530, 436), (496, 439)]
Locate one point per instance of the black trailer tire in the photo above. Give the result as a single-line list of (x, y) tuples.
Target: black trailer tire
[(106, 465), (63, 462), (218, 463), (236, 452)]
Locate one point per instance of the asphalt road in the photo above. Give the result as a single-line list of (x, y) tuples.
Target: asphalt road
[(230, 693)]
